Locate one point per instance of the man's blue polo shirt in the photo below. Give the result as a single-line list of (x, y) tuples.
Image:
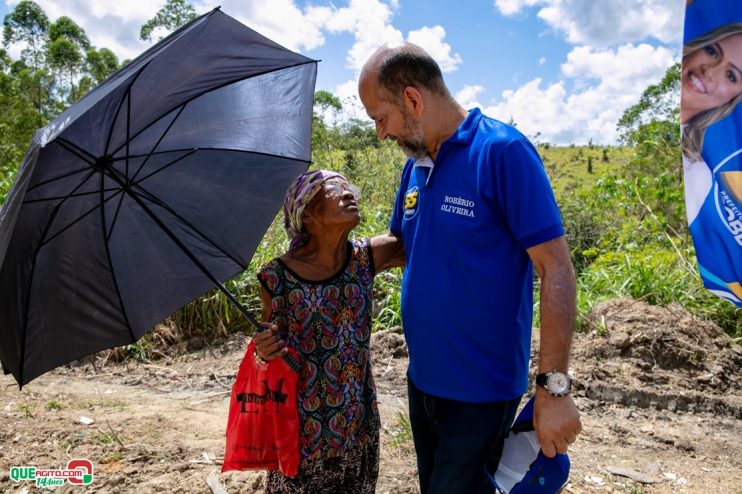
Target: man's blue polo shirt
[(467, 290)]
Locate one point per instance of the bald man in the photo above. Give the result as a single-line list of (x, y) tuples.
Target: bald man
[(476, 214)]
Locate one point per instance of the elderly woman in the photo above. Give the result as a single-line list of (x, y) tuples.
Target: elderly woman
[(317, 300)]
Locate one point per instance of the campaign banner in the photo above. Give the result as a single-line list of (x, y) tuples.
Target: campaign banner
[(711, 126)]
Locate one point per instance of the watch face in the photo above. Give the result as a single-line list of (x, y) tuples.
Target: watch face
[(558, 383)]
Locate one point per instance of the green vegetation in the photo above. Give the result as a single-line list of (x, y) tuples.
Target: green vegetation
[(568, 166), (112, 457), (402, 431), (622, 205), (103, 438), (27, 409), (53, 405)]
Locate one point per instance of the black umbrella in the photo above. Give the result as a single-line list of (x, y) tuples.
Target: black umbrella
[(149, 191)]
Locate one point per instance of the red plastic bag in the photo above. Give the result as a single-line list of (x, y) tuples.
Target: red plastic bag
[(263, 424)]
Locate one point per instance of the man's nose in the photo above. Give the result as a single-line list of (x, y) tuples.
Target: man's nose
[(380, 132)]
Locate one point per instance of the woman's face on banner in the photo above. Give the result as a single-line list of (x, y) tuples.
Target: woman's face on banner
[(711, 76)]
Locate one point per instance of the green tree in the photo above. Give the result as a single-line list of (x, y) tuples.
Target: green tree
[(101, 63), (652, 127), (174, 14), (658, 103), (325, 104), (66, 28), (27, 24), (66, 51), (18, 116), (325, 101)]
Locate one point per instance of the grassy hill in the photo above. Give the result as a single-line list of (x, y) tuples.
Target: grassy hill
[(573, 168)]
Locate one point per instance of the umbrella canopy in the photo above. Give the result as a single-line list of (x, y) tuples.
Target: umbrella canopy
[(149, 191)]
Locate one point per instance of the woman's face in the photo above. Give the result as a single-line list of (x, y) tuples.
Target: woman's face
[(335, 204), (711, 76)]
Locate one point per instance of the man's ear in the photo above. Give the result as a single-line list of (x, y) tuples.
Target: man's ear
[(413, 100)]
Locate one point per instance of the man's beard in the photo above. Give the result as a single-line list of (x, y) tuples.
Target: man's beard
[(413, 143)]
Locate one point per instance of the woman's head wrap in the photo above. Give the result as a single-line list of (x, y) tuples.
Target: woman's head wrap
[(297, 198)]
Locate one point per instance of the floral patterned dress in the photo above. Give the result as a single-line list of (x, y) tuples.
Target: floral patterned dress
[(329, 326)]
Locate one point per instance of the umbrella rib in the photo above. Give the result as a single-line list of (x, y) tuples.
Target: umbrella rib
[(81, 194), (196, 96), (115, 217), (28, 293), (155, 153), (106, 238), (118, 110), (156, 144), (159, 202), (76, 150), (127, 95), (128, 128), (190, 152), (80, 218), (187, 252), (156, 200), (47, 227), (87, 168)]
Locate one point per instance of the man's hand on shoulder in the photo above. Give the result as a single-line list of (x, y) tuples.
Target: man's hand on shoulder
[(557, 422)]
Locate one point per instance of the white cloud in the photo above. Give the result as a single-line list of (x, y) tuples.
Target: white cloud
[(368, 20), (280, 20), (606, 22), (512, 7), (535, 109), (542, 60), (431, 40), (467, 96), (622, 70), (116, 25), (606, 82), (113, 25)]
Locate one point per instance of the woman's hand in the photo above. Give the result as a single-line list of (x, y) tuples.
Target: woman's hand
[(268, 343)]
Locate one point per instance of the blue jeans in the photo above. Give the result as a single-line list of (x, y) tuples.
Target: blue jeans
[(453, 440)]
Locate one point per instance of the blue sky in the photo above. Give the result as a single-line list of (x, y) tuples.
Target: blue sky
[(565, 69)]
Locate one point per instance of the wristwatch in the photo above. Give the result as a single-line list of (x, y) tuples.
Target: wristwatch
[(555, 382)]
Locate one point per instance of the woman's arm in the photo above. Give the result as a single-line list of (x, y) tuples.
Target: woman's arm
[(268, 344), (388, 252), (267, 310)]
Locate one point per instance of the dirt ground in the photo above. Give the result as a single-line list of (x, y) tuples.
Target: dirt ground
[(659, 392)]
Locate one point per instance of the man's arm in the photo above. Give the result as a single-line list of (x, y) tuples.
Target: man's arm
[(556, 419), (388, 252)]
